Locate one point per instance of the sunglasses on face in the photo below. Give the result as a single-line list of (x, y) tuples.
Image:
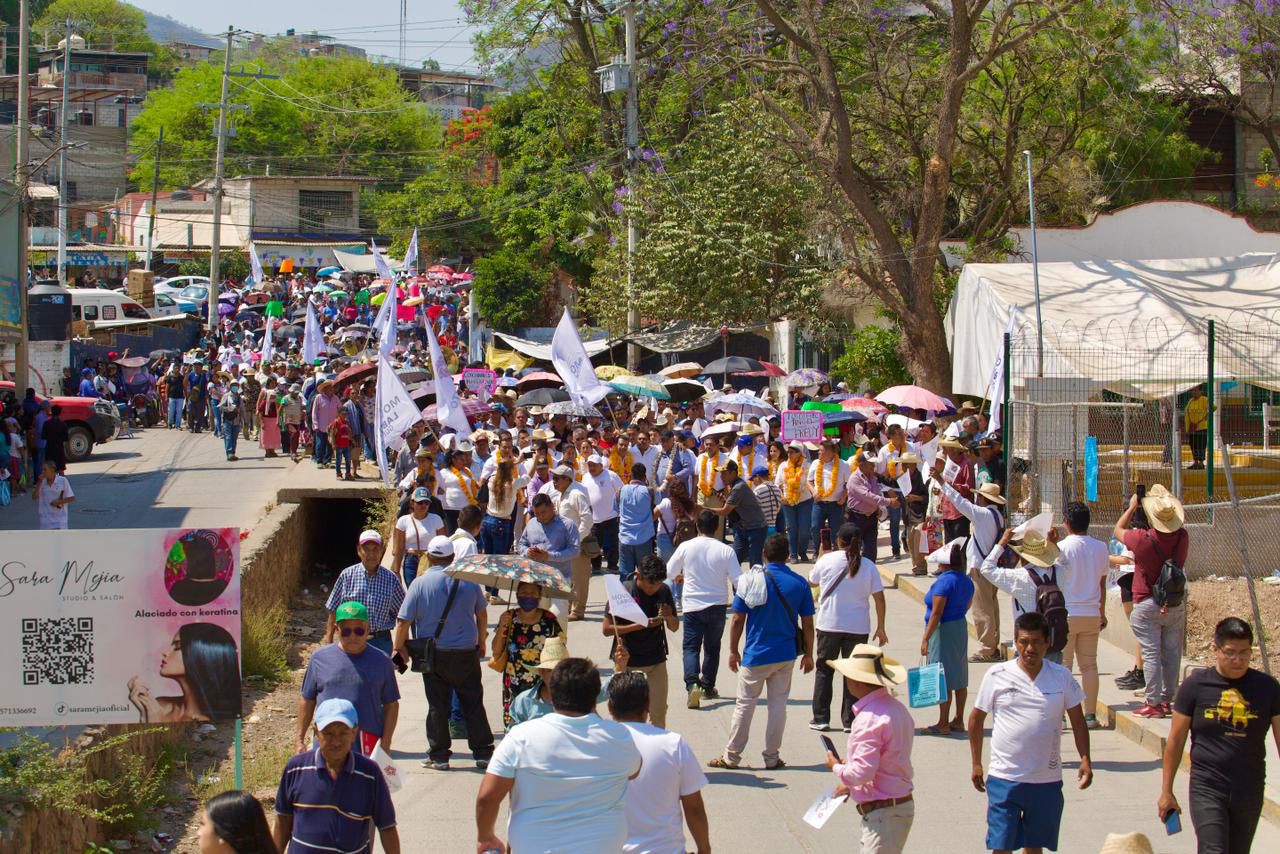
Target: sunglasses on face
[(358, 631)]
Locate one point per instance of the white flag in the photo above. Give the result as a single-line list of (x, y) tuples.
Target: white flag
[(395, 413), (268, 346), (312, 337), (995, 383), (574, 365), (448, 408), (411, 255), (258, 276), (380, 264)]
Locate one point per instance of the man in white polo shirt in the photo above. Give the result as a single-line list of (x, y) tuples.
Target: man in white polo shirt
[(603, 485), (709, 569), (670, 783), (1027, 698)]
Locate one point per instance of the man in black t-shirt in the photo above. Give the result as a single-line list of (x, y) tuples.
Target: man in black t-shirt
[(647, 644), (1228, 710), (743, 509)]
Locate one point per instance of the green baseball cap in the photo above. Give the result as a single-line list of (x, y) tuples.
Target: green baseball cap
[(351, 611)]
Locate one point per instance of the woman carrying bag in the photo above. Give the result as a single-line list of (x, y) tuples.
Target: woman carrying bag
[(946, 633), (844, 586)]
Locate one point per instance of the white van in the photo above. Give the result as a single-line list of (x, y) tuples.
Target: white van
[(101, 305)]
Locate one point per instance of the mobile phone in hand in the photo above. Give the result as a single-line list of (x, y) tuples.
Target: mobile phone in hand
[(824, 539), (1172, 822), (399, 662), (828, 745)]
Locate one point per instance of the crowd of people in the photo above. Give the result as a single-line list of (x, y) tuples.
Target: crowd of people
[(705, 515)]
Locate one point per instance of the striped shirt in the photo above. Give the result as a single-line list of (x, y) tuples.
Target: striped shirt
[(332, 814), (382, 595), (770, 498)]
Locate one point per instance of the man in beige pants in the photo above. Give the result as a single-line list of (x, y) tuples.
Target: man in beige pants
[(769, 658), (1082, 576), (574, 506), (646, 643)]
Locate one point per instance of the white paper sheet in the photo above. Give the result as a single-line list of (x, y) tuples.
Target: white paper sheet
[(823, 807)]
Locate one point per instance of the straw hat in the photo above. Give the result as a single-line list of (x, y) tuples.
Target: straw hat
[(1126, 843), (723, 417), (1164, 512), (554, 651), (868, 663), (991, 492), (908, 458), (750, 429), (951, 444), (1035, 549)]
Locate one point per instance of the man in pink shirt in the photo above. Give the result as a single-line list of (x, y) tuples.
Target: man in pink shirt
[(863, 503), (877, 774), (324, 409)]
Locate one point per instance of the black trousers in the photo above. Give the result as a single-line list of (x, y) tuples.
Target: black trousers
[(832, 645), (869, 527), (1225, 816), (1199, 441), (456, 671), (606, 532)]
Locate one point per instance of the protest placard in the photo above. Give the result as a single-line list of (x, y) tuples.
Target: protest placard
[(480, 380), (106, 627), (621, 603), (801, 425)]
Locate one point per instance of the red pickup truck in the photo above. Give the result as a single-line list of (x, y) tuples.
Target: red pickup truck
[(89, 420)]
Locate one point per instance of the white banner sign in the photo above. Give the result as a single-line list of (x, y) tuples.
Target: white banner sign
[(574, 365), (116, 627), (621, 603), (394, 414)]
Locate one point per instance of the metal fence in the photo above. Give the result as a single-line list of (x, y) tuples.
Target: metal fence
[(1090, 420)]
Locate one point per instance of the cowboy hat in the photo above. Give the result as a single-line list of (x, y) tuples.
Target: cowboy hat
[(1126, 843), (1164, 512), (868, 663), (908, 458), (724, 417), (726, 428), (554, 651), (991, 492), (968, 406), (1035, 549), (750, 429), (951, 444)]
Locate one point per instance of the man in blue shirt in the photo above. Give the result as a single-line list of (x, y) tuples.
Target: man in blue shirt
[(331, 798), (459, 628), (354, 670), (86, 383), (675, 462), (635, 522), (548, 538), (774, 640)]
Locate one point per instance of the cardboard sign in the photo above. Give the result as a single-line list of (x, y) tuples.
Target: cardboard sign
[(621, 603), (802, 425), (480, 380), (115, 627)]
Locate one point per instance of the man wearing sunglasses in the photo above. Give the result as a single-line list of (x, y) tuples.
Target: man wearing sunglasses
[(352, 670)]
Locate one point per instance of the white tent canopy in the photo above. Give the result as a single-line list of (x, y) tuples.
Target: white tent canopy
[(353, 263), (542, 352), (1134, 327)]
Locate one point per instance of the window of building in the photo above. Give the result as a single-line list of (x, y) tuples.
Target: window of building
[(318, 210)]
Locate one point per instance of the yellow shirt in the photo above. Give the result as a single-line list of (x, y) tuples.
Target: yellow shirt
[(1197, 414)]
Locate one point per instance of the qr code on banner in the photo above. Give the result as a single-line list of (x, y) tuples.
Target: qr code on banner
[(57, 651)]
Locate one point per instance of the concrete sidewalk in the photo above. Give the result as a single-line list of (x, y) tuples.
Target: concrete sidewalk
[(752, 809)]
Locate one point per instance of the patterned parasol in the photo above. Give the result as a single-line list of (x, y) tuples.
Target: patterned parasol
[(571, 409), (611, 372), (508, 571), (640, 387), (806, 377)]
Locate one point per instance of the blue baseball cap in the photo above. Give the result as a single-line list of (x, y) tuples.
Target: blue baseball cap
[(335, 710), (745, 441), (760, 471)]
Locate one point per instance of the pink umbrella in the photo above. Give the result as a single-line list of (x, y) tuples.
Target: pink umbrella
[(539, 379), (770, 370), (912, 397), (865, 405), (471, 407), (441, 268)]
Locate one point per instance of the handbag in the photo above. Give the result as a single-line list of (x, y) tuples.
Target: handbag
[(499, 661), (590, 547), (926, 685), (422, 651)]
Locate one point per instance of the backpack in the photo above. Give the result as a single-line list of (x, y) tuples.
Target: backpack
[(1052, 604), (1170, 588)]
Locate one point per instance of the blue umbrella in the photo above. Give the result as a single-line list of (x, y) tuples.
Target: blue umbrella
[(327, 271)]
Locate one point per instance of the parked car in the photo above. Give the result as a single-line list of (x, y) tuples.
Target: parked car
[(175, 284), (90, 421), (167, 306), (100, 305)]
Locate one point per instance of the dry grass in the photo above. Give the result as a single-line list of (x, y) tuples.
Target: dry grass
[(1211, 601)]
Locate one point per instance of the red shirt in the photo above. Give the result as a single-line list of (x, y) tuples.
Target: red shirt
[(341, 434), (1150, 550)]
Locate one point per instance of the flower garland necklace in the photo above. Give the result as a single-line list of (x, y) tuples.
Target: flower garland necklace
[(825, 493), (793, 477), (704, 482), (467, 482), (621, 468)]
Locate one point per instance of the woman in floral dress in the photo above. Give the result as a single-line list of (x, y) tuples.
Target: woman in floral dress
[(522, 631)]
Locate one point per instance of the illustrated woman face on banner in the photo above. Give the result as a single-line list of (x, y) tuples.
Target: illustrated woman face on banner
[(198, 568)]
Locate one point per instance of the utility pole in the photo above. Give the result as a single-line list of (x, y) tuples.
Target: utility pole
[(631, 140), (221, 132), (21, 178), (62, 157), (155, 191), (1035, 265)]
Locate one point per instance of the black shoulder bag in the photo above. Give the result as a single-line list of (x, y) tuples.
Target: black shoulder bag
[(422, 651), (791, 614)]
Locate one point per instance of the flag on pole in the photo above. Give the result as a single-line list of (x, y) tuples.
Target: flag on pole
[(268, 346), (258, 276), (448, 407), (312, 337), (411, 255), (394, 414), (995, 383), (574, 365), (388, 341), (380, 264)]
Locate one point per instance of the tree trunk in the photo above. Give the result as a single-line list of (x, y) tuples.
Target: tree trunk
[(924, 351)]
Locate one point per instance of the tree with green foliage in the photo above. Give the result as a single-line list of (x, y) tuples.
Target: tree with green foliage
[(872, 358), (324, 115), (104, 24), (510, 289)]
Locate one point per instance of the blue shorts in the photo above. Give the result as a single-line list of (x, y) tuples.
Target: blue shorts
[(1023, 815)]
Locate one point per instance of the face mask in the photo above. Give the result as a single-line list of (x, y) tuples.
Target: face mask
[(527, 603)]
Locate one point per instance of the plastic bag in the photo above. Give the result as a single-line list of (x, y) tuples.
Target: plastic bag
[(753, 587), (4, 493), (926, 685), (389, 770)]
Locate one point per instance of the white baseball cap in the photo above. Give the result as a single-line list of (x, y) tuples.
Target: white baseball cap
[(440, 546), (369, 536), (596, 459)]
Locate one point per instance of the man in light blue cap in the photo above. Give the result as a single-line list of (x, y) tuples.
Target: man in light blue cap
[(329, 796)]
